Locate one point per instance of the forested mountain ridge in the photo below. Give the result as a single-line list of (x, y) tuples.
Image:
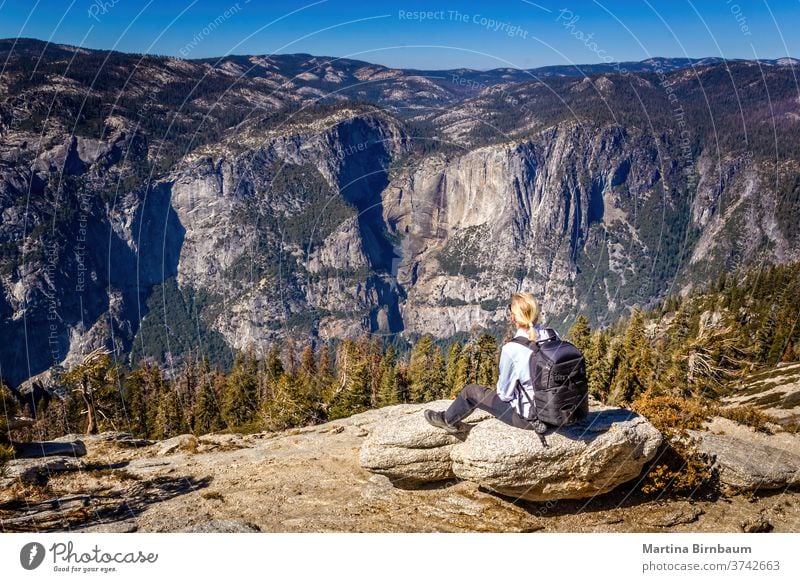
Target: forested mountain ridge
[(157, 206)]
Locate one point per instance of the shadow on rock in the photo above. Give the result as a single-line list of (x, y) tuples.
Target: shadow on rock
[(597, 421), (81, 511), (624, 496)]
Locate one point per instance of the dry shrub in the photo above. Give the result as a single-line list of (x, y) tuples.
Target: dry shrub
[(671, 414), (792, 427), (190, 445), (749, 416), (677, 469), (121, 474)]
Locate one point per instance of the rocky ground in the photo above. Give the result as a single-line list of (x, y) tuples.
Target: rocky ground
[(310, 480), (776, 391)]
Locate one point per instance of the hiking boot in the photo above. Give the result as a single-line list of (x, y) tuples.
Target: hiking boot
[(538, 426), (437, 419)]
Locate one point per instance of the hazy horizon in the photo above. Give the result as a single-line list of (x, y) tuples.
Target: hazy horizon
[(476, 34), (340, 57)]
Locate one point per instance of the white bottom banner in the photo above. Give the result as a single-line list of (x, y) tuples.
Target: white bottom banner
[(370, 557)]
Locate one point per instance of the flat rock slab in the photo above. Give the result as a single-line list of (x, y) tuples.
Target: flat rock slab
[(609, 448), (746, 464), (183, 442), (49, 449), (119, 439), (108, 436), (38, 470)]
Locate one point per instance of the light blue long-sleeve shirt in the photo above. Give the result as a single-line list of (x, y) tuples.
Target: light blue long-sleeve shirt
[(514, 365)]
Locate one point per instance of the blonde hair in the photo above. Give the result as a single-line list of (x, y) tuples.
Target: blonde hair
[(526, 312)]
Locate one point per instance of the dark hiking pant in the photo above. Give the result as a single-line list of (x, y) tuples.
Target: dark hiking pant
[(474, 396)]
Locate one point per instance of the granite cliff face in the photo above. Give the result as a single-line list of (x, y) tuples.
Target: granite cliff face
[(590, 219), (279, 214), (271, 200)]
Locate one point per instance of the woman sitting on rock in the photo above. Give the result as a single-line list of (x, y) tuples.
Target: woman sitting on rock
[(506, 403)]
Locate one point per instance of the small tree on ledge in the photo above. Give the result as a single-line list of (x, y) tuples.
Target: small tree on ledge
[(94, 380)]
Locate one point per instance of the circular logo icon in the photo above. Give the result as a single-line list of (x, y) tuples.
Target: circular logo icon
[(31, 555)]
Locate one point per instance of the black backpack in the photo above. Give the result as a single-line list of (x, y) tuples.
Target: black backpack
[(560, 386)]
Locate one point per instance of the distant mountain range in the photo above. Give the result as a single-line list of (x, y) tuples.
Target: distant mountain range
[(158, 205)]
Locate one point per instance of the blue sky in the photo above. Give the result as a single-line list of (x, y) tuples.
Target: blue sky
[(462, 33)]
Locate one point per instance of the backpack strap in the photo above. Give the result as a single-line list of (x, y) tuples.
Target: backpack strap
[(534, 347), (525, 342), (522, 391)]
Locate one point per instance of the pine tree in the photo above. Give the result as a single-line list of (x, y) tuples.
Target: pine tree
[(637, 360), (374, 358), (426, 373), (466, 367), (438, 387), (580, 334), (486, 363), (307, 372), (291, 358), (325, 364), (290, 405), (308, 362), (401, 370), (453, 382), (95, 382), (186, 388), (207, 412), (326, 379), (274, 365), (138, 403), (389, 391), (240, 400), (786, 322), (598, 366), (680, 328), (353, 392), (169, 420)]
